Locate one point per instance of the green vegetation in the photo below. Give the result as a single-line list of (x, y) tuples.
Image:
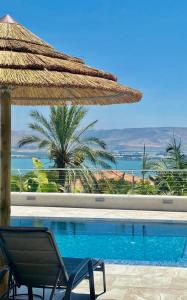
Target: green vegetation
[(37, 180), (169, 176), (144, 187), (112, 186), (167, 180), (69, 147), (164, 181)]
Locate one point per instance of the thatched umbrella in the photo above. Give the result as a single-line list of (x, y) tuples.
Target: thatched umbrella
[(34, 73)]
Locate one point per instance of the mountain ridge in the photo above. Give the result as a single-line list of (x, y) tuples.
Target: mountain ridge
[(127, 139)]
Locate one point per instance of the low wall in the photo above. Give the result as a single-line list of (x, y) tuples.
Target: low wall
[(134, 202)]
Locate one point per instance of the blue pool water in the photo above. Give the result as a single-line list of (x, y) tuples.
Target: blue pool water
[(118, 242)]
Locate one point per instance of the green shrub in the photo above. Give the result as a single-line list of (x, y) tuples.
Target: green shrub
[(112, 186), (143, 187), (50, 187)]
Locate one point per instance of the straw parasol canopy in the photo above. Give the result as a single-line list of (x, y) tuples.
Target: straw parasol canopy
[(33, 73), (41, 75)]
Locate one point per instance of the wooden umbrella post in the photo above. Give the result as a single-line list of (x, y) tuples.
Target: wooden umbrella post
[(5, 163), (5, 201)]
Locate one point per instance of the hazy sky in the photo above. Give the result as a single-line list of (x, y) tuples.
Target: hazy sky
[(143, 42)]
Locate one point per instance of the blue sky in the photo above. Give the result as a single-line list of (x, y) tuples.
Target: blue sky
[(143, 42)]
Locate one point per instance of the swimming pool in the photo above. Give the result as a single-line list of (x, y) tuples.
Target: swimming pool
[(117, 241)]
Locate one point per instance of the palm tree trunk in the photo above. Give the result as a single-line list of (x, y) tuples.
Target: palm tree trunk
[(62, 175)]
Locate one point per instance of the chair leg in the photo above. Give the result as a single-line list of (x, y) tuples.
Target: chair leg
[(14, 291), (91, 282), (55, 285), (30, 293), (104, 277), (52, 293), (67, 295)]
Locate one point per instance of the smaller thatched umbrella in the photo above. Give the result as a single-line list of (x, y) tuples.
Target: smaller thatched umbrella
[(34, 73)]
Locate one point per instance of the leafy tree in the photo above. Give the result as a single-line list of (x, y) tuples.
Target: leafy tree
[(176, 158), (143, 188), (15, 183), (68, 144), (112, 186), (170, 178), (37, 180)]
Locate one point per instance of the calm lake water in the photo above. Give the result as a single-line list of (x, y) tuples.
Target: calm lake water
[(24, 161)]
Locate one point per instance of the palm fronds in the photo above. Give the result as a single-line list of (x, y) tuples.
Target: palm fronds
[(68, 143)]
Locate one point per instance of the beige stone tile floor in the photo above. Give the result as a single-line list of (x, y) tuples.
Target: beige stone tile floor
[(142, 283), (125, 282), (137, 283), (64, 212)]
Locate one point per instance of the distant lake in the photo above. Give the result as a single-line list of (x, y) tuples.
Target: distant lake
[(24, 161)]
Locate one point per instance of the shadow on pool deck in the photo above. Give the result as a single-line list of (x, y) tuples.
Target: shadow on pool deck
[(136, 283)]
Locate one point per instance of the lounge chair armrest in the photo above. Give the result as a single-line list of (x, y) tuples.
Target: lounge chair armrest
[(73, 276)]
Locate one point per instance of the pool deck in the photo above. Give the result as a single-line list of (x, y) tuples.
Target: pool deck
[(91, 213), (125, 282), (141, 283)]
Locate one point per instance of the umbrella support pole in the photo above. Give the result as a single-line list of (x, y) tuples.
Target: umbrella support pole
[(5, 197)]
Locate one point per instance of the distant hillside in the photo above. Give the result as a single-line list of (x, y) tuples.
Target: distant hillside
[(17, 135), (134, 138), (131, 139)]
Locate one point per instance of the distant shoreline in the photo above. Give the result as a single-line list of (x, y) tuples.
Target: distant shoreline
[(25, 162), (155, 139)]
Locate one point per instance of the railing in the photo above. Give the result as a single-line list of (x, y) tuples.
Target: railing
[(145, 182)]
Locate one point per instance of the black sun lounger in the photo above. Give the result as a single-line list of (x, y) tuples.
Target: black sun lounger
[(35, 262)]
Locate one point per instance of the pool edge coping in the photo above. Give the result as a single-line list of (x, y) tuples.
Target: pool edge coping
[(119, 219)]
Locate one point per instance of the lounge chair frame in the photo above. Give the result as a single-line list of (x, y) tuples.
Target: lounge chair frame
[(70, 281)]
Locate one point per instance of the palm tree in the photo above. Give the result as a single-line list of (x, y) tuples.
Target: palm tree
[(176, 157), (168, 180), (69, 145)]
